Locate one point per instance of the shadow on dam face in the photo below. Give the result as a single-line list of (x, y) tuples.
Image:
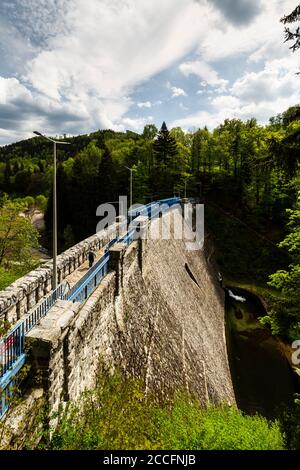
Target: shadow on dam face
[(188, 270)]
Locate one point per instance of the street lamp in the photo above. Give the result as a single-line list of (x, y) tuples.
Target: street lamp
[(55, 142), (131, 170)]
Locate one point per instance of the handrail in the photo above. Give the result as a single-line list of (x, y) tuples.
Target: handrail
[(84, 287), (12, 347)]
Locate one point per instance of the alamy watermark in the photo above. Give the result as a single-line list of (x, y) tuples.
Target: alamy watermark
[(296, 353), (180, 221)]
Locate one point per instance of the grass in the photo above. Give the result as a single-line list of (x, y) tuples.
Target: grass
[(7, 277), (117, 415)]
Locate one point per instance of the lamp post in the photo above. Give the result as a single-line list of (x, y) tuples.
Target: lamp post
[(55, 142), (131, 182)]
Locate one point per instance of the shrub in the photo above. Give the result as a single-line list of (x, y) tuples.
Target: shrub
[(117, 415), (41, 202)]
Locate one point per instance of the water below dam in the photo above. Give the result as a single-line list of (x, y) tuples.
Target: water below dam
[(262, 376)]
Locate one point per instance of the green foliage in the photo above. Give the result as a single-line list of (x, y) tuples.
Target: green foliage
[(246, 174), (117, 415), (150, 131), (29, 201), (4, 327), (8, 276), (165, 146), (218, 428), (284, 316), (290, 425), (106, 179), (41, 202), (165, 172), (26, 436), (17, 237), (68, 236), (248, 256)]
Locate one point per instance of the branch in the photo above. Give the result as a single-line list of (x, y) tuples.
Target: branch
[(291, 36), (293, 17)]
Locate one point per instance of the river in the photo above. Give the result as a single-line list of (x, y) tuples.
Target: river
[(262, 377)]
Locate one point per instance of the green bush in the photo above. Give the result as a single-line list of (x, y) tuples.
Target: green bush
[(117, 415), (41, 202), (29, 201)]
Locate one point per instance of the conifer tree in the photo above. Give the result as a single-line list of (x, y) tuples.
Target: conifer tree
[(165, 147)]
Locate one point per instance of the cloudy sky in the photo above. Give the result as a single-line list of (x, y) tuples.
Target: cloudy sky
[(74, 66)]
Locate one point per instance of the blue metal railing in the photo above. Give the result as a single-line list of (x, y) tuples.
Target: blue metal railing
[(87, 284), (12, 347)]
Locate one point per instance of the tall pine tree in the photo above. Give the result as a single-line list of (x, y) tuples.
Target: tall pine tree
[(163, 175), (165, 147)]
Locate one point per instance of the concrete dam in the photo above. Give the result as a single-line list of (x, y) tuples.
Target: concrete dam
[(158, 315)]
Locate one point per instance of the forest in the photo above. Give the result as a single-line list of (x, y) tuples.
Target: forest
[(246, 174)]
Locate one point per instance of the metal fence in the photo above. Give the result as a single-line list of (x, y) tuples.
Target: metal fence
[(87, 284), (12, 347)]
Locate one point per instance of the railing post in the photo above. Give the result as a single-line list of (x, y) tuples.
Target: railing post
[(122, 225), (116, 254)]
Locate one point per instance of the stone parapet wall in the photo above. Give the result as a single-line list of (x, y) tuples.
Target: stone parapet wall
[(23, 294)]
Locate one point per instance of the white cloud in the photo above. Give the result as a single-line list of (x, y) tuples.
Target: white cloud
[(144, 104), (256, 94), (11, 89), (74, 64), (135, 124), (204, 71), (22, 112), (276, 80), (81, 62), (226, 101), (269, 50), (176, 92), (224, 40), (101, 50), (148, 104)]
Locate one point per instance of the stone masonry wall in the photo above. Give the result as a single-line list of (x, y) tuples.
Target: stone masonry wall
[(158, 315), (23, 294)]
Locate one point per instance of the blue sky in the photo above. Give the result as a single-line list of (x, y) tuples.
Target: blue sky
[(74, 66)]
